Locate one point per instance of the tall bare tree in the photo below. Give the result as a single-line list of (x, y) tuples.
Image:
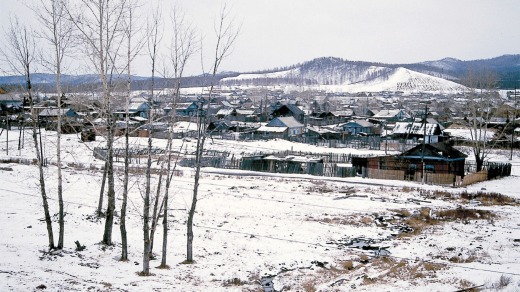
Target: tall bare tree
[(154, 38), (181, 49), (481, 98), (57, 31), (226, 35), (19, 54), (99, 23), (133, 49)]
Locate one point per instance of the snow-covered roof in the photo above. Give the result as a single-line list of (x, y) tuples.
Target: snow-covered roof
[(272, 129), (290, 122), (415, 128), (362, 123), (224, 111), (54, 112), (389, 113)]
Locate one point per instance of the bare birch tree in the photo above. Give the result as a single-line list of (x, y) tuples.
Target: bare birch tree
[(154, 38), (226, 34), (57, 31), (99, 24), (181, 49), (481, 97), (132, 51), (19, 54)]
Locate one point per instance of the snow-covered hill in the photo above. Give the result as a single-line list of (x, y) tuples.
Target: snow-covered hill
[(406, 80), (338, 75)]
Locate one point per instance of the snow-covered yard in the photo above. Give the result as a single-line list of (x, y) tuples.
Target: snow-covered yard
[(300, 230)]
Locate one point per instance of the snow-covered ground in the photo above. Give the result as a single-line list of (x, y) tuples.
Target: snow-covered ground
[(295, 228)]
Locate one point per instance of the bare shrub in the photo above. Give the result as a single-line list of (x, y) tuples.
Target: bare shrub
[(234, 282), (502, 282), (406, 189), (488, 198), (319, 186), (420, 221), (465, 214), (352, 220), (348, 265)]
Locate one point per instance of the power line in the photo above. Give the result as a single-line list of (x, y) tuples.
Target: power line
[(299, 241), (336, 247)]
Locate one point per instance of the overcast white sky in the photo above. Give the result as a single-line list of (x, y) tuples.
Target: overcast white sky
[(277, 33)]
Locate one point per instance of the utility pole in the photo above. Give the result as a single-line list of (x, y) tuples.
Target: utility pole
[(424, 143), (513, 126), (7, 132)]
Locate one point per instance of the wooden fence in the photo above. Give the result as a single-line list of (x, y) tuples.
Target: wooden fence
[(473, 178), (385, 174)]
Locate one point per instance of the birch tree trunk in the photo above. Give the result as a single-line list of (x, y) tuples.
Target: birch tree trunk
[(19, 52), (226, 35), (57, 31)]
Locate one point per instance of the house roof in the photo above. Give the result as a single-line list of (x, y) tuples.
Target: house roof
[(290, 122), (272, 129), (292, 108), (9, 98), (434, 151), (135, 106), (321, 130), (416, 129), (225, 111), (184, 105), (244, 112), (362, 123), (389, 113), (344, 113), (54, 112)]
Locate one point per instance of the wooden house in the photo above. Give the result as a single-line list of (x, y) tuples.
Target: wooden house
[(289, 110), (390, 116), (431, 131), (281, 127), (357, 127), (439, 163)]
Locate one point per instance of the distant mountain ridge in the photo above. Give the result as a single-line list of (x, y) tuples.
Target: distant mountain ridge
[(344, 75), (439, 75)]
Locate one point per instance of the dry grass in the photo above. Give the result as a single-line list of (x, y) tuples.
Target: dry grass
[(488, 198), (319, 187), (347, 265), (309, 285), (503, 282), (485, 198), (395, 269), (352, 220), (420, 221), (407, 189), (424, 219), (464, 214), (234, 282), (465, 284)]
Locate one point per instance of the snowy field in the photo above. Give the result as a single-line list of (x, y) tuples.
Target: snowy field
[(305, 232)]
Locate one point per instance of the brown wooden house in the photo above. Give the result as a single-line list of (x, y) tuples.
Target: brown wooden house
[(440, 162)]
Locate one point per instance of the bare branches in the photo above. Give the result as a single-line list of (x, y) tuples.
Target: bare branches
[(226, 34), (18, 53)]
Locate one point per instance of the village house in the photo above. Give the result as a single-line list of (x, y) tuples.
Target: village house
[(390, 116), (322, 119), (431, 131), (187, 109), (9, 101), (51, 114), (438, 163), (289, 110), (282, 127), (358, 127)]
